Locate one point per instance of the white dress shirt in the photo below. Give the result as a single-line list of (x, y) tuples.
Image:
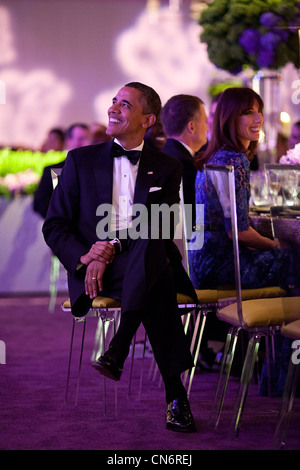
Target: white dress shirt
[(188, 148), (124, 178)]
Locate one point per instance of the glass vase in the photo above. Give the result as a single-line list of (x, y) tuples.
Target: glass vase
[(267, 84)]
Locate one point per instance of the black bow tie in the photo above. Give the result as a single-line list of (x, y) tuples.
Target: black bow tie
[(132, 155)]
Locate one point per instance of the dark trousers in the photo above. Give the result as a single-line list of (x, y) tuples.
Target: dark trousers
[(148, 296)]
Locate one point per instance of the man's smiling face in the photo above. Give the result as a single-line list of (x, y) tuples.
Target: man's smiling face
[(126, 119)]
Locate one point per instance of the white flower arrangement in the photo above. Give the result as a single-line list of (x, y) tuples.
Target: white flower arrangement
[(16, 183), (292, 156), (21, 170)]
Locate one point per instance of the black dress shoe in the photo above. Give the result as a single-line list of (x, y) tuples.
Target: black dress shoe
[(106, 366), (179, 416)]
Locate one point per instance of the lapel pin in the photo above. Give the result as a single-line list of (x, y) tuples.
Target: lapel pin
[(150, 172)]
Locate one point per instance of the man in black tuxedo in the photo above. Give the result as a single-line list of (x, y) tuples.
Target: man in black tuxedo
[(77, 135), (90, 226), (184, 122)]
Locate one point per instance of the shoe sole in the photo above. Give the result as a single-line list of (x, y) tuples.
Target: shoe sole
[(104, 371), (179, 429)]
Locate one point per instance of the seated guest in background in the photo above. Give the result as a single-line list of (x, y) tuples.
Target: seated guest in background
[(184, 122), (236, 127), (77, 135), (98, 134), (143, 272), (54, 141)]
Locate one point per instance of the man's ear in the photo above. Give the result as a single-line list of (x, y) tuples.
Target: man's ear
[(150, 120), (191, 126)]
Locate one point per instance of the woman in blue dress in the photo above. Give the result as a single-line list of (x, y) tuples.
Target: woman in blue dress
[(236, 128)]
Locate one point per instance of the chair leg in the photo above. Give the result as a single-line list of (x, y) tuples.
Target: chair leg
[(115, 325), (75, 320), (104, 378), (246, 377), (131, 363), (70, 360), (98, 346), (54, 276), (106, 320), (224, 373), (80, 360), (142, 365), (143, 362), (192, 372), (290, 387), (186, 322), (270, 362), (193, 341), (153, 370)]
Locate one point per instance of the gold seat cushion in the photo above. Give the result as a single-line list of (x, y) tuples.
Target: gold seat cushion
[(262, 312), (98, 302), (263, 292), (106, 302), (207, 296), (185, 299), (292, 329)]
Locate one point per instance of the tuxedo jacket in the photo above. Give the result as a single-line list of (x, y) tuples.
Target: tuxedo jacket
[(175, 149), (44, 190), (86, 182)]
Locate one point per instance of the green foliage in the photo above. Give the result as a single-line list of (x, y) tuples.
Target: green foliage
[(21, 170), (226, 24)]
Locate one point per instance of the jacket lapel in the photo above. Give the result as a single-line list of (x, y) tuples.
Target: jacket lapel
[(145, 177), (103, 173)]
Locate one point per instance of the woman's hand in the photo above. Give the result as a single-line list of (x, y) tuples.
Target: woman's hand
[(252, 239)]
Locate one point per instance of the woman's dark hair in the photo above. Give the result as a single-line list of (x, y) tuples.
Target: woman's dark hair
[(232, 104)]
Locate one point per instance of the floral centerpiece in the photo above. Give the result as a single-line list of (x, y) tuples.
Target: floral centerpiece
[(292, 156), (254, 33), (21, 170)]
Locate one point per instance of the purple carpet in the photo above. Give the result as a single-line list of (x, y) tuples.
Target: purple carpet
[(34, 416)]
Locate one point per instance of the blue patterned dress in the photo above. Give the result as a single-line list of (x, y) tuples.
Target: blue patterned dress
[(212, 266)]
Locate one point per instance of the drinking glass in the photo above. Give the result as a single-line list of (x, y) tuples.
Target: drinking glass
[(290, 188), (275, 182), (259, 188)]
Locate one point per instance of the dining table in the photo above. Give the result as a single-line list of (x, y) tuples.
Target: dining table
[(281, 222), (261, 221)]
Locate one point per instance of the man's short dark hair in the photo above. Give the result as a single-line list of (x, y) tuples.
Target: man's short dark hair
[(178, 111), (69, 131), (59, 132), (151, 101)]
